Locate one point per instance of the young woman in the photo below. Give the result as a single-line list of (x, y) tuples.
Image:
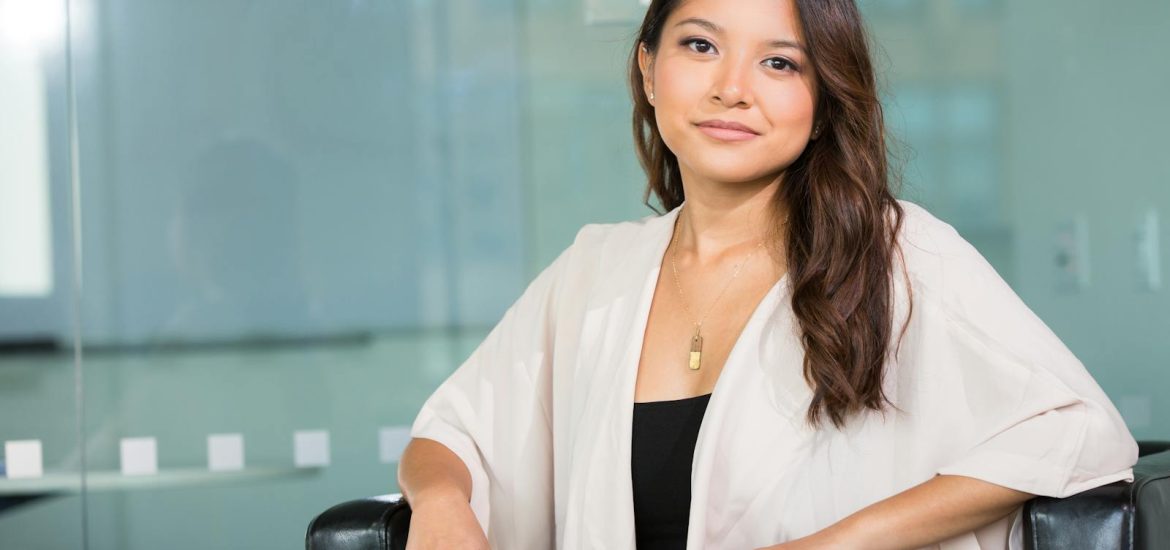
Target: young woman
[(788, 358)]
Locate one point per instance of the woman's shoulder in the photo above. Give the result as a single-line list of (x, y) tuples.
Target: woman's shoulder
[(924, 234), (940, 260), (614, 233), (932, 244), (946, 269), (605, 244)]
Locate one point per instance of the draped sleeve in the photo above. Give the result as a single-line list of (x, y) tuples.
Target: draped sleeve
[(1021, 410), (494, 412)]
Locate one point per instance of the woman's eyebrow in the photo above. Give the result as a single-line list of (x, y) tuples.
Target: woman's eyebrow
[(716, 29)]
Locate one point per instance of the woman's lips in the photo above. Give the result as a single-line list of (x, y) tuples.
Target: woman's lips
[(726, 134)]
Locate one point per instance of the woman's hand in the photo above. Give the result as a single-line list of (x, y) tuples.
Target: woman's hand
[(445, 523)]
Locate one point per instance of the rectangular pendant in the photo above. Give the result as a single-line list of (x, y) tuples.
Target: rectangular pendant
[(696, 351)]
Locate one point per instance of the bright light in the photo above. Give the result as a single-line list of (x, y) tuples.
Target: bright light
[(32, 24), (26, 266)]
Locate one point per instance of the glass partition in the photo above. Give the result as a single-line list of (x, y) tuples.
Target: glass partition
[(41, 499)]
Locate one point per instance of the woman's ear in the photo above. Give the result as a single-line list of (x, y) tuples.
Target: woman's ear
[(646, 65)]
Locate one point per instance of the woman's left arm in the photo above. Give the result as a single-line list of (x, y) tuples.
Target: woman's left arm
[(926, 514)]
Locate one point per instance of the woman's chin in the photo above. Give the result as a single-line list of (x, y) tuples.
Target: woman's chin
[(728, 172)]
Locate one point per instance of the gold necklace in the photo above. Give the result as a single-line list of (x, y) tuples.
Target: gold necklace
[(696, 357)]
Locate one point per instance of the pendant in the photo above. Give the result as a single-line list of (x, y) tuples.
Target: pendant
[(696, 350)]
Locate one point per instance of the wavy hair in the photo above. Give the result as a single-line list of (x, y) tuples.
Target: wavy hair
[(843, 218)]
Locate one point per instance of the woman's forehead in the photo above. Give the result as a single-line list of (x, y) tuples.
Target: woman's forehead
[(764, 20)]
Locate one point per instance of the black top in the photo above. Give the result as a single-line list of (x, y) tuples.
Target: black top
[(662, 450)]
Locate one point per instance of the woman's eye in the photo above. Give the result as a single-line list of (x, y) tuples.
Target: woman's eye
[(780, 64), (700, 43)]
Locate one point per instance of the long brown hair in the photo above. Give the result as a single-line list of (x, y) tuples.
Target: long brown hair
[(841, 239)]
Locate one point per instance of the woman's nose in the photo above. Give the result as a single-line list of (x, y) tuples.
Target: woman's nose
[(732, 86)]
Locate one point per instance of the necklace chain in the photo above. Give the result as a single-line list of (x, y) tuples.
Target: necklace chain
[(696, 354), (674, 268)]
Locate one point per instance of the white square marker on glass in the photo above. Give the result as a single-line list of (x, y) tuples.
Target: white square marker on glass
[(310, 448), (22, 459), (391, 442), (139, 456), (225, 452)]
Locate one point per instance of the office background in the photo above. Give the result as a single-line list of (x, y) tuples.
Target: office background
[(290, 220)]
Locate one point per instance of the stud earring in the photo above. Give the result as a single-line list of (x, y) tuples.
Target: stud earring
[(651, 96)]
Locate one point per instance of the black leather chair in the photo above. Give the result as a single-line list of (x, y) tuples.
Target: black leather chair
[(1118, 516)]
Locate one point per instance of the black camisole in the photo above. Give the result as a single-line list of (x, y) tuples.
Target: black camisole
[(663, 447)]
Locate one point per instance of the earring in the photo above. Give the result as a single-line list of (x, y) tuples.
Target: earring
[(816, 130), (651, 96)]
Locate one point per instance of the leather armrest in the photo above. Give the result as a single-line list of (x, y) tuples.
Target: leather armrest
[(1121, 515), (380, 522)]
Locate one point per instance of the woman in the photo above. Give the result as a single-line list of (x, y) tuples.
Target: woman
[(788, 358)]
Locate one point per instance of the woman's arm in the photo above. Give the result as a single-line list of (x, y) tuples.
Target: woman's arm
[(428, 470), (437, 485), (926, 514)]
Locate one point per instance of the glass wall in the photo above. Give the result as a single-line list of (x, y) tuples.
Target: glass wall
[(41, 501), (241, 241)]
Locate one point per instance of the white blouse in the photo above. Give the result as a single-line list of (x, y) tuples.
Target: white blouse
[(541, 412)]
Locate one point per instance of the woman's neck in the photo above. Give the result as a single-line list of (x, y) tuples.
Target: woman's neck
[(727, 222)]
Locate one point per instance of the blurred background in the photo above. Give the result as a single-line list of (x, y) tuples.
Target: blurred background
[(287, 221)]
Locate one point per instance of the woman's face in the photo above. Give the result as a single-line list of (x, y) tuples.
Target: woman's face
[(740, 61)]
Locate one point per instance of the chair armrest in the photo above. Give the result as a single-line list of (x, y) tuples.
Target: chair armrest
[(1120, 515), (380, 522)]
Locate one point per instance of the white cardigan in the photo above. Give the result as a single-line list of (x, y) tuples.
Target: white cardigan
[(541, 411)]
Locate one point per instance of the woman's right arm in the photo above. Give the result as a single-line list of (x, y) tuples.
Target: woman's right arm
[(428, 470), (437, 485), (485, 434)]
